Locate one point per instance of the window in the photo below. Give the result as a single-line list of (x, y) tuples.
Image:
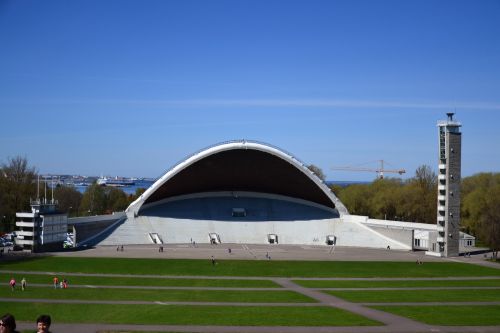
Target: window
[(239, 212)]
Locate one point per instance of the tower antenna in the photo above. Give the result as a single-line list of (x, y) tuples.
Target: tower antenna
[(52, 185)]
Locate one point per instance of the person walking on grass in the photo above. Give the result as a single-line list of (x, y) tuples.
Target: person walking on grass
[(56, 282), (12, 283), (23, 284)]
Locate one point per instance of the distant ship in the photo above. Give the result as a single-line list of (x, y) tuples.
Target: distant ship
[(117, 181)]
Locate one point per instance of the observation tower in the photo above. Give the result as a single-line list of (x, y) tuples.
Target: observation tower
[(448, 212)]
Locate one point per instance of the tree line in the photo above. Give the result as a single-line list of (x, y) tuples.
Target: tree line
[(411, 200), (18, 186), (415, 200)]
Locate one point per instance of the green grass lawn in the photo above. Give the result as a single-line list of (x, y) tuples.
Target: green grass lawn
[(448, 315), (269, 315), (143, 281), (465, 295), (397, 283), (188, 315), (196, 267), (122, 294)]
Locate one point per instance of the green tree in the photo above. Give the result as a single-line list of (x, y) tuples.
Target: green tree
[(384, 198), (336, 189), (356, 198), (93, 201), (480, 211), (489, 221), (117, 200), (393, 199), (68, 199), (99, 200)]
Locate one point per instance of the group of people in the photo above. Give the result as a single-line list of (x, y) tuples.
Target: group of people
[(13, 282), (8, 324), (63, 284)]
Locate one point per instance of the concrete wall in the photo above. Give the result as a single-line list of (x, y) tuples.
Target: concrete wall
[(96, 218), (352, 231), (349, 231), (453, 194), (87, 227), (404, 236), (135, 231), (433, 244), (85, 231)]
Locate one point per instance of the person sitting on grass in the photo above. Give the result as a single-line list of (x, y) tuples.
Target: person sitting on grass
[(43, 324)]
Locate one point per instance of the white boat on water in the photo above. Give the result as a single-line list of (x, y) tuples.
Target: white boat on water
[(116, 181)]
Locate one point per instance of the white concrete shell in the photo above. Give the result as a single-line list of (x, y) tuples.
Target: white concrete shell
[(142, 202)]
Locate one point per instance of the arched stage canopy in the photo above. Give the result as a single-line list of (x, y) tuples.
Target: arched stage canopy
[(246, 166)]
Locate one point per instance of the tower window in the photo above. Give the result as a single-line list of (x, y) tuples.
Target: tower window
[(239, 212)]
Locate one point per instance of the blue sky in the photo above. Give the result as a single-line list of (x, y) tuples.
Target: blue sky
[(131, 87)]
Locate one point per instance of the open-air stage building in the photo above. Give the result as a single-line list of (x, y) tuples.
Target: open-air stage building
[(253, 193)]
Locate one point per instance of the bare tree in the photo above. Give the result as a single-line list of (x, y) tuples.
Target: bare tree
[(317, 171), (18, 171), (17, 186)]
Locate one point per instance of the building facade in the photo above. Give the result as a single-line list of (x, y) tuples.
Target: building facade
[(446, 242), (42, 229)]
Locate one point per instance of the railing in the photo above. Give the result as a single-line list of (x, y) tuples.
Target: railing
[(44, 202)]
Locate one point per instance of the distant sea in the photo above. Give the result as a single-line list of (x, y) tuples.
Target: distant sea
[(145, 184), (344, 183), (127, 189)]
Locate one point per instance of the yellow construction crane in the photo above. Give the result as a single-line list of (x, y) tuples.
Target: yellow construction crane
[(380, 171)]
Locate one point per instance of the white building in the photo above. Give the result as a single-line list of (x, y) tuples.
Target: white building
[(42, 229)]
